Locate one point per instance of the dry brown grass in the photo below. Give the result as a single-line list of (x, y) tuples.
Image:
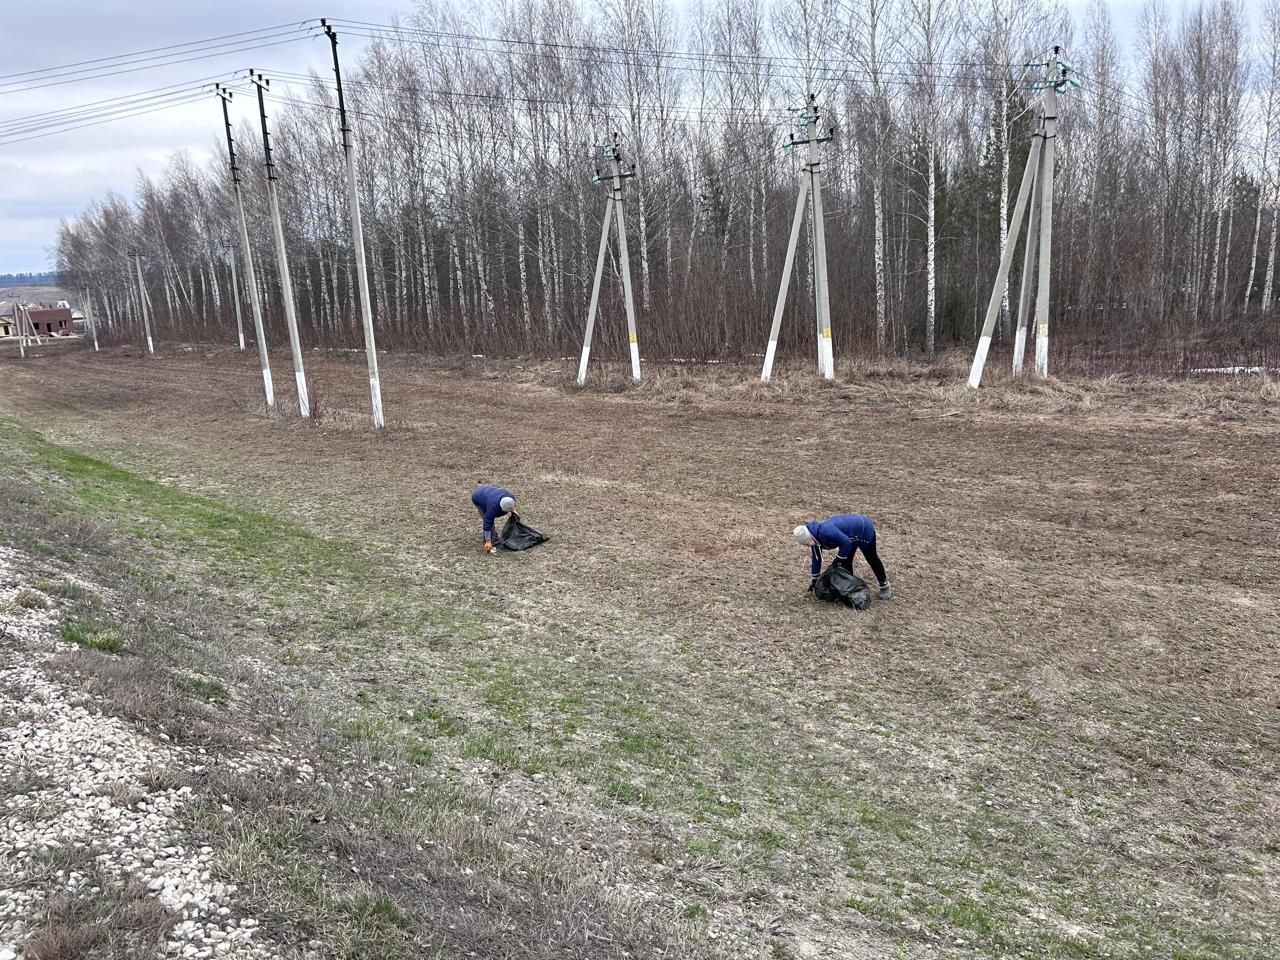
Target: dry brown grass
[(1060, 739), (940, 385), (120, 921), (349, 858)]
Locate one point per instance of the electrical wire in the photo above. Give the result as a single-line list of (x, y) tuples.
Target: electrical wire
[(103, 113), (688, 114), (707, 64), (138, 53), (192, 98), (88, 107), (153, 66), (646, 51)]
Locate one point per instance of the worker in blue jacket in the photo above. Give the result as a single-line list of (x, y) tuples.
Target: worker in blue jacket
[(493, 502), (846, 533)]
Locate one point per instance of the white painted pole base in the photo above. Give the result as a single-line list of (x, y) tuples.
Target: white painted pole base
[(375, 392), (769, 351), (304, 401), (828, 355), (1042, 351), (151, 347), (979, 362), (1019, 348), (635, 359), (268, 388)]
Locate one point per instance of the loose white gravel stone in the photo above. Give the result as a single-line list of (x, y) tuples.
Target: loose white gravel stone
[(77, 760)]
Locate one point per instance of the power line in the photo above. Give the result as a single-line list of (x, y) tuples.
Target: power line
[(101, 113), (190, 98), (87, 107), (152, 66), (606, 48), (702, 64), (691, 114), (138, 53)]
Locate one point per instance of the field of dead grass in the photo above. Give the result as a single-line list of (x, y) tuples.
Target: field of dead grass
[(1060, 739)]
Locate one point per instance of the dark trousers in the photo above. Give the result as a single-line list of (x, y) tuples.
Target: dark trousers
[(872, 558)]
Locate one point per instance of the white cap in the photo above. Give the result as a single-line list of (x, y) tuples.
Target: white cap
[(507, 504), (802, 535)]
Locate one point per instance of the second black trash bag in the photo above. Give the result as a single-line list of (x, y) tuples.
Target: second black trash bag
[(839, 585), (518, 535)]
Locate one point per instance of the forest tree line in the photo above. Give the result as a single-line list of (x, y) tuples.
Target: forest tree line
[(475, 156)]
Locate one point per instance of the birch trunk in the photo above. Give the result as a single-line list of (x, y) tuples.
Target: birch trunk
[(877, 201), (1271, 262), (1003, 130), (460, 301), (424, 255), (1253, 252), (930, 320), (525, 312), (642, 214), (322, 320), (1226, 253), (543, 251), (1217, 258)]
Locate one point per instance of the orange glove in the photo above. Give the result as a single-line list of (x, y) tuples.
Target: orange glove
[(488, 546)]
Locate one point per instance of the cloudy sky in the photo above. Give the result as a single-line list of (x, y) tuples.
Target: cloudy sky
[(44, 180)]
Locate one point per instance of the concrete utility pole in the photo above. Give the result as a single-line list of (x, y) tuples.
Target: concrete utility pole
[(88, 318), (282, 255), (357, 239), (235, 297), (615, 176), (1028, 268), (144, 302), (1035, 193), (17, 326), (255, 299), (1046, 225), (810, 186)]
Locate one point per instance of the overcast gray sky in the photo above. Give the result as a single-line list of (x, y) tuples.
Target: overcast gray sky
[(45, 180)]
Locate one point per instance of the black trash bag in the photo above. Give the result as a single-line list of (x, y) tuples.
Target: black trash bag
[(838, 584), (518, 535)]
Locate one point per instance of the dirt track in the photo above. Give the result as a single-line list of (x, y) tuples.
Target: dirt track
[(1081, 657)]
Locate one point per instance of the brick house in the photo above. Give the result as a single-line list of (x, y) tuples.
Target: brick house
[(51, 321)]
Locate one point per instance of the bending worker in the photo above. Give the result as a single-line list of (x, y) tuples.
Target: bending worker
[(493, 502), (845, 534)]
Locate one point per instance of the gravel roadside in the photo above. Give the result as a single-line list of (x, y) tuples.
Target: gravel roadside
[(88, 813)]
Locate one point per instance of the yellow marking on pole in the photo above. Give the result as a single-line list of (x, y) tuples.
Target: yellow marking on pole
[(826, 333), (632, 337), (1044, 329)]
